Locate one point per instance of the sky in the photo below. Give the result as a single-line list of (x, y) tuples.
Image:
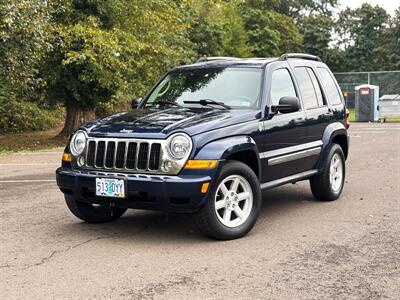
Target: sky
[(389, 5)]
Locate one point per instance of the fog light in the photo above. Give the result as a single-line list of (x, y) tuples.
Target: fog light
[(81, 161), (167, 166)]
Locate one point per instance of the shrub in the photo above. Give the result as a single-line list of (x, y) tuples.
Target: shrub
[(25, 116)]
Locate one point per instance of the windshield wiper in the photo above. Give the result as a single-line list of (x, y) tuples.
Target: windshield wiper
[(168, 102), (207, 102)]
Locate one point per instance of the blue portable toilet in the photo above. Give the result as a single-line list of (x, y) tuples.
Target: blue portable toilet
[(366, 103)]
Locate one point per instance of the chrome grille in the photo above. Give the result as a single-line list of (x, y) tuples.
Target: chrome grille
[(121, 154)]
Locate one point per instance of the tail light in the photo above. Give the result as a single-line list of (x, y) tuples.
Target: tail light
[(347, 119)]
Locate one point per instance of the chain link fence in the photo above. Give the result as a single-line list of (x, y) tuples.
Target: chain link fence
[(388, 82)]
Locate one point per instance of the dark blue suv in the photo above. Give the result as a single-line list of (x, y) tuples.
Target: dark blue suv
[(208, 138)]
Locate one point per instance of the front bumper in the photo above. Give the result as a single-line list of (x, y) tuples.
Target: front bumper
[(156, 192)]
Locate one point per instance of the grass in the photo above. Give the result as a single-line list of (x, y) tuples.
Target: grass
[(31, 141), (352, 117)]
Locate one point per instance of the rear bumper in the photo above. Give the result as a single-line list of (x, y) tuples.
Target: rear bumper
[(155, 192)]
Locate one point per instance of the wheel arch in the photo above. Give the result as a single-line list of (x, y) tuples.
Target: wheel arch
[(240, 148), (335, 133)]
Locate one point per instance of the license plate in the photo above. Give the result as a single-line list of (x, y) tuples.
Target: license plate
[(109, 187)]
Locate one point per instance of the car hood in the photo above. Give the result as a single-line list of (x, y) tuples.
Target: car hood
[(161, 122)]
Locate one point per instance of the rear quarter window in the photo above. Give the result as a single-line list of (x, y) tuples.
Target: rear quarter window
[(331, 91)]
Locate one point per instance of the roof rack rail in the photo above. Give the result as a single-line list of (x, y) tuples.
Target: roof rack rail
[(213, 58), (286, 56)]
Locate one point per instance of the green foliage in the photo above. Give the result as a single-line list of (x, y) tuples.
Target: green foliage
[(361, 31), (216, 28), (387, 53), (16, 116), (95, 56), (270, 33)]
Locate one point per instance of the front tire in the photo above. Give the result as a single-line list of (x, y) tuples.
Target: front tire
[(234, 204), (93, 213), (328, 185)]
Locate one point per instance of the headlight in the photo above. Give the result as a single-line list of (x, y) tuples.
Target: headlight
[(78, 143), (179, 146)]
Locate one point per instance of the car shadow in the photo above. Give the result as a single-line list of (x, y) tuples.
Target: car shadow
[(161, 227)]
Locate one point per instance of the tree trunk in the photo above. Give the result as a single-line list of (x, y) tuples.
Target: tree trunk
[(74, 118)]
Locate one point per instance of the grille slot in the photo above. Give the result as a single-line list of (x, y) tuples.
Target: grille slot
[(121, 154), (154, 161), (110, 155), (100, 151), (131, 156), (142, 156), (90, 156)]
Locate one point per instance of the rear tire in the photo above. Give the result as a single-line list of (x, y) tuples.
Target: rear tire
[(328, 185), (93, 213), (234, 204)]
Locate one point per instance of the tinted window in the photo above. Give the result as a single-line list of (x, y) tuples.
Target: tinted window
[(317, 88), (236, 87), (281, 86), (331, 92), (306, 87)]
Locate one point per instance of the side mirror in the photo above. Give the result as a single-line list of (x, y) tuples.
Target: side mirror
[(287, 105), (136, 102)]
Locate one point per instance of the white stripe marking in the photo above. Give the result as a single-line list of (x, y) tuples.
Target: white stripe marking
[(27, 180), (38, 153), (42, 164)]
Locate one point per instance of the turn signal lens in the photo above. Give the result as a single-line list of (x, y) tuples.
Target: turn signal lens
[(67, 157), (201, 164), (347, 119), (204, 187)]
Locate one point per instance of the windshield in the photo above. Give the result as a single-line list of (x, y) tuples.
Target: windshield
[(235, 87)]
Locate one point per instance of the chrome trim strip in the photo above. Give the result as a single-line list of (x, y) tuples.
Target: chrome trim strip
[(294, 156), (292, 178), (287, 150)]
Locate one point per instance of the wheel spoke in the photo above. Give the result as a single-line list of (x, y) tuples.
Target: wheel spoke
[(227, 216), (235, 185), (337, 163), (224, 190), (239, 212), (220, 204), (243, 196)]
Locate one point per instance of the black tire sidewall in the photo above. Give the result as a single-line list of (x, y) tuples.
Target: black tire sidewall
[(88, 213), (321, 185)]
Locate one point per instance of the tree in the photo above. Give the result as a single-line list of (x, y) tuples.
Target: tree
[(298, 9), (24, 38), (270, 33), (360, 31), (316, 30), (106, 53), (387, 52), (216, 28)]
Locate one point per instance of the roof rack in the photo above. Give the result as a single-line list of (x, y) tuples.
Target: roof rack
[(286, 56), (213, 58)]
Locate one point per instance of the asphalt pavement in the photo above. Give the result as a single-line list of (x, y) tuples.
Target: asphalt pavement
[(299, 248)]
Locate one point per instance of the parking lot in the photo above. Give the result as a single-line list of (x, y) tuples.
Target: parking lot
[(299, 248)]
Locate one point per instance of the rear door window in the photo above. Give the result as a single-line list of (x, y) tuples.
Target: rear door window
[(309, 94), (331, 91)]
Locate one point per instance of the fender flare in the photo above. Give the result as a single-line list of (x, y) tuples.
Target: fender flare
[(331, 131), (221, 149)]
